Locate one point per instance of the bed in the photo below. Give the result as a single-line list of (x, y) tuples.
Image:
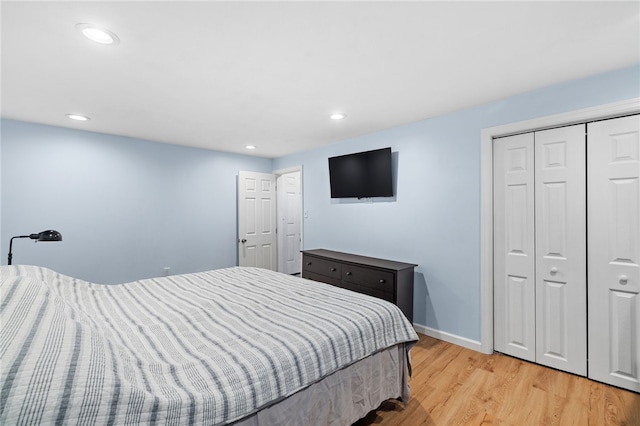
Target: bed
[(243, 346)]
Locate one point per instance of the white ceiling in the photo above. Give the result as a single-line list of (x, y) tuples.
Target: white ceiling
[(220, 75)]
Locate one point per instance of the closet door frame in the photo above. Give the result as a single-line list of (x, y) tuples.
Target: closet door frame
[(627, 107)]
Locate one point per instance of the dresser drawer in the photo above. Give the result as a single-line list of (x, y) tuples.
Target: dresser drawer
[(322, 278), (370, 291), (328, 268), (381, 281)]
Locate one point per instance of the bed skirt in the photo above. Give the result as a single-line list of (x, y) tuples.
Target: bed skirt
[(344, 396)]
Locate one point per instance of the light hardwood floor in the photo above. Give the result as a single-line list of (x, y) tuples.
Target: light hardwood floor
[(452, 385)]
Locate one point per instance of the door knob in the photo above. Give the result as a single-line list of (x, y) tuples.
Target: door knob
[(244, 240), (554, 270), (624, 279)]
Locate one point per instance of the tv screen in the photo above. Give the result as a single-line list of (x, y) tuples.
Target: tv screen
[(361, 175)]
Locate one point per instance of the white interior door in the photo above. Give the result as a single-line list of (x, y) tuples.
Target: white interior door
[(289, 210), (514, 250), (257, 245), (561, 248), (613, 153)]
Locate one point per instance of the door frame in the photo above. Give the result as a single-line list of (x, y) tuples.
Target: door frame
[(281, 172), (611, 110), (275, 174)]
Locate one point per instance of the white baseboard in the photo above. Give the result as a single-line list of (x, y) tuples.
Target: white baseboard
[(448, 337)]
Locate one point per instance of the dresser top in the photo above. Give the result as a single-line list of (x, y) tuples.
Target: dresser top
[(359, 260)]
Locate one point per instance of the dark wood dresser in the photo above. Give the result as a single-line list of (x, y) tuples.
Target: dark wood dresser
[(386, 279)]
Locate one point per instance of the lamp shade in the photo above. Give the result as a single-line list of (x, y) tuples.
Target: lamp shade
[(49, 235)]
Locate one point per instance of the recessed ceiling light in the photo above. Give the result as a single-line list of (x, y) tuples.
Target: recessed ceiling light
[(250, 146), (337, 116), (97, 34), (78, 117)]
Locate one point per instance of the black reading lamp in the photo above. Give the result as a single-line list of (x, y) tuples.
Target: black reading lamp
[(49, 235)]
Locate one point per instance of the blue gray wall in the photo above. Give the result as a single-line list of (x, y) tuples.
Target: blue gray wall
[(126, 207), (129, 207), (434, 220)]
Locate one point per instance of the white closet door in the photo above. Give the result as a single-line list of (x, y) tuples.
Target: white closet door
[(561, 249), (613, 152), (514, 254)]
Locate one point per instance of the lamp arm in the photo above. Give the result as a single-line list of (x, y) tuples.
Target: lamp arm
[(11, 246)]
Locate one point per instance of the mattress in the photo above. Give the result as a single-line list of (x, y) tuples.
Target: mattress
[(206, 348)]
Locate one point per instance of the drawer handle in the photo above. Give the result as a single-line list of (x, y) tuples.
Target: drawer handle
[(349, 273), (624, 279), (382, 281), (333, 269)]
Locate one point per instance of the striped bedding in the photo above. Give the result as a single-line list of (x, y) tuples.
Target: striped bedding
[(203, 348)]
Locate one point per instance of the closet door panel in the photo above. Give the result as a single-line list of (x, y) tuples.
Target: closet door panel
[(561, 282), (614, 251), (514, 263)]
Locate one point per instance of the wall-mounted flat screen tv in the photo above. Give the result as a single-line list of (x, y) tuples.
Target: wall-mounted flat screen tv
[(361, 175)]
